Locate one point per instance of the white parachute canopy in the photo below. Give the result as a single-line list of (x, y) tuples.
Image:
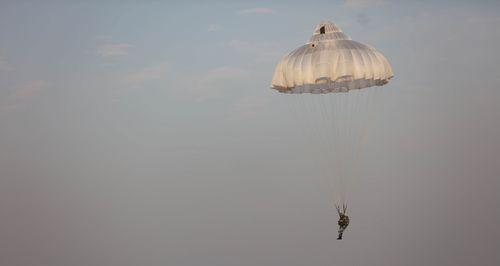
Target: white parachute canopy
[(331, 62), (324, 81)]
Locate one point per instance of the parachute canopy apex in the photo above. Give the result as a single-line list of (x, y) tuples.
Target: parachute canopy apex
[(327, 30)]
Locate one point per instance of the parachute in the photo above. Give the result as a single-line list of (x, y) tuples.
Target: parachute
[(331, 84)]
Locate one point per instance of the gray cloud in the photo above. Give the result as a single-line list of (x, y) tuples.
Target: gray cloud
[(263, 51), (257, 10), (213, 27), (22, 93), (149, 73), (363, 18), (5, 66), (363, 3), (30, 89), (113, 50), (214, 82)]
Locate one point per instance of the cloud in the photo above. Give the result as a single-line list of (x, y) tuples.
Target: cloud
[(248, 107), (5, 65), (224, 72), (258, 10), (362, 3), (22, 93), (213, 27), (260, 51), (212, 83), (146, 74), (240, 45), (30, 89), (113, 50), (363, 19)]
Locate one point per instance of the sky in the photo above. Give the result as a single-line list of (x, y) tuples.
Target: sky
[(145, 133)]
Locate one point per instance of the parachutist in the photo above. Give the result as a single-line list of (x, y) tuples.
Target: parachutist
[(328, 65), (343, 219)]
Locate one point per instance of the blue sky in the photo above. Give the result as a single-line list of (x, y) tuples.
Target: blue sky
[(145, 133)]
